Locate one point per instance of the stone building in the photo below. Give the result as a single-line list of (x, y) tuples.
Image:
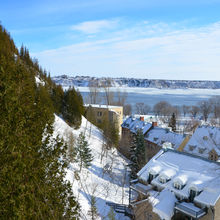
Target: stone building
[(100, 113)]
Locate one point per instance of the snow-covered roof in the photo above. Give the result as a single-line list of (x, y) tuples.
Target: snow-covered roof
[(204, 139), (194, 173), (135, 124), (163, 204), (161, 135), (103, 106)]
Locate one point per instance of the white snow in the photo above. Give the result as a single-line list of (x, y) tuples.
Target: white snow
[(195, 173), (159, 136), (165, 206), (135, 124), (39, 81), (204, 139), (109, 186), (203, 93)]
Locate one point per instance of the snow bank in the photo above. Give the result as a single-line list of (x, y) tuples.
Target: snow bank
[(111, 186)]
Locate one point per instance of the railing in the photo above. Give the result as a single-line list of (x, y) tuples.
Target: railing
[(119, 208), (189, 211)]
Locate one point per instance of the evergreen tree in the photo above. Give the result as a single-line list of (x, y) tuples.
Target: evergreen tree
[(133, 158), (93, 213), (111, 214), (137, 153), (172, 122), (72, 107), (32, 162), (84, 155)]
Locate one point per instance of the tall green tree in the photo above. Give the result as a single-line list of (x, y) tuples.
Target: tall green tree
[(32, 162), (72, 107), (93, 212), (172, 122), (137, 153), (84, 155)]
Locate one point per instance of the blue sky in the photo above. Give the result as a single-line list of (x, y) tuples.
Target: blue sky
[(157, 39)]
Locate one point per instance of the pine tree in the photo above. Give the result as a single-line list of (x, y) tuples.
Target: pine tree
[(137, 153), (111, 214), (133, 157), (32, 162), (72, 107), (93, 213), (84, 155), (172, 122)]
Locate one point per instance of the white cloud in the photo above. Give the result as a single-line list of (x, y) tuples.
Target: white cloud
[(92, 27), (144, 50)]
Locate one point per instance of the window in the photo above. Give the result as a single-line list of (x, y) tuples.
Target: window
[(150, 178), (205, 138), (99, 113), (192, 194), (99, 121), (201, 150), (192, 147), (163, 180), (177, 185)]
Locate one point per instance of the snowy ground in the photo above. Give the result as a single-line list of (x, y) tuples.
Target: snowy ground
[(109, 186)]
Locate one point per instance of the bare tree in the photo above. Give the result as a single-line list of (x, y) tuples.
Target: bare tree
[(71, 147), (215, 103), (194, 110), (205, 109), (163, 108), (139, 108), (147, 109), (185, 110), (94, 92), (120, 97), (108, 94), (127, 109)]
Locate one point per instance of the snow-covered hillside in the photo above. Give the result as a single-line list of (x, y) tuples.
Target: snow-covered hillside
[(111, 185), (84, 81)]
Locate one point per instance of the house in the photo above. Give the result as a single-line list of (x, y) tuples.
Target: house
[(205, 142), (177, 185), (105, 112), (130, 126), (154, 136), (157, 137)]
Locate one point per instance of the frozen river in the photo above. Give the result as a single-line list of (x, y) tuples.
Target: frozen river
[(151, 96)]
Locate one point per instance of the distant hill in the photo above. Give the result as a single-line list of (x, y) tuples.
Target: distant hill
[(85, 81)]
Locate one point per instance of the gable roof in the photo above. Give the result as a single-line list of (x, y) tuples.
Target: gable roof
[(161, 135), (135, 124), (204, 140), (199, 173)]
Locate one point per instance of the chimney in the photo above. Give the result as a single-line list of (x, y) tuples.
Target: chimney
[(142, 118), (154, 124)]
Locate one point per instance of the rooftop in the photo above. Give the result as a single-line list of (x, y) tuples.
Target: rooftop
[(161, 135), (102, 106), (204, 139), (199, 174)]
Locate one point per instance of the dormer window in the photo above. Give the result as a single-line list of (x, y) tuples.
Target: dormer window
[(205, 138), (180, 181), (163, 180), (177, 186), (192, 147), (192, 194), (201, 150), (155, 138), (153, 173), (166, 175)]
